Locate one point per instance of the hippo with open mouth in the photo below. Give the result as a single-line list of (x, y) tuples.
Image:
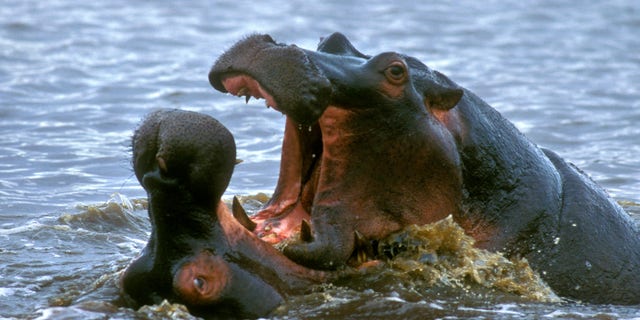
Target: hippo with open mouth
[(373, 143), (360, 156)]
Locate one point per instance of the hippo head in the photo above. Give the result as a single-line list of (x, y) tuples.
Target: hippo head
[(303, 83), (198, 254), (358, 128)]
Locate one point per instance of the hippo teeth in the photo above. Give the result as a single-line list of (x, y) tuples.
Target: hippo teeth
[(244, 92), (305, 231), (246, 86), (241, 215)]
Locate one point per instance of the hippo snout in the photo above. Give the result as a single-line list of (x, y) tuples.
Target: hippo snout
[(229, 63), (198, 254), (249, 67)]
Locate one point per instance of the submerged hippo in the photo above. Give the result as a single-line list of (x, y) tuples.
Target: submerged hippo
[(376, 142), (198, 254)]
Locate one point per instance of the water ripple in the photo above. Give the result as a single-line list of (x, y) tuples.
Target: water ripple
[(77, 77)]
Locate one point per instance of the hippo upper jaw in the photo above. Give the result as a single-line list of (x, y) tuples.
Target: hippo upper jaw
[(248, 69)]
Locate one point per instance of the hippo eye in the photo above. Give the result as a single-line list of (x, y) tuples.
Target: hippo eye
[(199, 283), (395, 73)]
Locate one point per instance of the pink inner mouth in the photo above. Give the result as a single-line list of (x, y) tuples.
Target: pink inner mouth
[(245, 86), (291, 201)]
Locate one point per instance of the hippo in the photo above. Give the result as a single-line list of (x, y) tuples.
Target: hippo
[(372, 143), (351, 171), (198, 254)]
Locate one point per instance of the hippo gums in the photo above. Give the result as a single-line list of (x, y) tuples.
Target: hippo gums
[(373, 143), (198, 254)]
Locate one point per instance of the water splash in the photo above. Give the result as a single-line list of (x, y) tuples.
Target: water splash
[(441, 254)]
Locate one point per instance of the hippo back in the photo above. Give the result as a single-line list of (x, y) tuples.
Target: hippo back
[(594, 255)]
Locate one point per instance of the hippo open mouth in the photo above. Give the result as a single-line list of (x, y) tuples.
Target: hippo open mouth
[(289, 80)]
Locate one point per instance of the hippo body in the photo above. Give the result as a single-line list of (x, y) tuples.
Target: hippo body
[(527, 201), (512, 196)]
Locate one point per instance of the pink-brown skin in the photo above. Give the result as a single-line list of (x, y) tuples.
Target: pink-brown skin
[(198, 254), (293, 197), (368, 166)]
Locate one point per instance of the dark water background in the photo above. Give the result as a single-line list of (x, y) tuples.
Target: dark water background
[(76, 77)]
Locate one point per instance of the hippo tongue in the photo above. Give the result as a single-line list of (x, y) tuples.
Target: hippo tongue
[(243, 85)]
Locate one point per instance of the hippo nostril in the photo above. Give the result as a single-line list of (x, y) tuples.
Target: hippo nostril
[(156, 180)]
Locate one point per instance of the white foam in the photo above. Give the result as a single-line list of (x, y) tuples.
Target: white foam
[(7, 292), (30, 226)]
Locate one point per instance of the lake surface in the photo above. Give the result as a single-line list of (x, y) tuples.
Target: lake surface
[(77, 77)]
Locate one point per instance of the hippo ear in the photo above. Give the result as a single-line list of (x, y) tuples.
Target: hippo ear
[(338, 44), (440, 97)]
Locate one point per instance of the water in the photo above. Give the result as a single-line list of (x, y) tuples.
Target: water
[(76, 77)]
